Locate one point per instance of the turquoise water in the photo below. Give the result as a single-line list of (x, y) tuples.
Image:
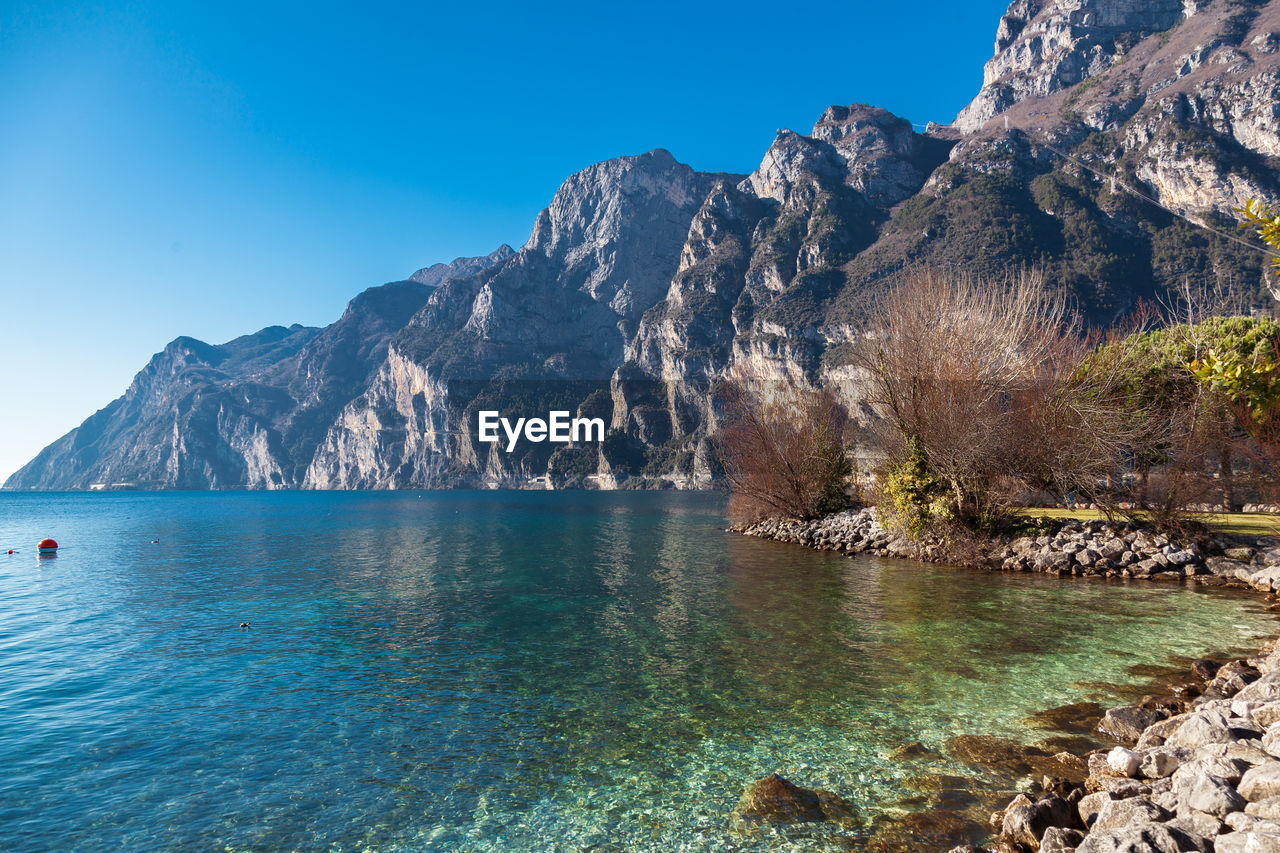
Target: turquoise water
[(511, 671)]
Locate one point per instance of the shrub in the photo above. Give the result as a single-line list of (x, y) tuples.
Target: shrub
[(911, 497), (782, 449)]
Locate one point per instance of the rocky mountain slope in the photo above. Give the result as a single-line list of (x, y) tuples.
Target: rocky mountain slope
[(1110, 144)]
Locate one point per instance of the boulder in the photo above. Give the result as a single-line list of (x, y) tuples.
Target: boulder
[(1157, 733), (1197, 823), (1213, 796), (1266, 579), (1268, 809), (1026, 823), (1135, 810), (1124, 761), (1159, 763), (1143, 838), (1242, 822), (1245, 842), (1205, 669), (1059, 840), (1206, 764), (1128, 723), (1202, 727), (1233, 676), (1090, 805), (1265, 689), (1265, 714), (1261, 782), (1225, 567)]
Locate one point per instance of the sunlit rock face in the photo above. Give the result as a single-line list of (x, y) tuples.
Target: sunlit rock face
[(1045, 46)]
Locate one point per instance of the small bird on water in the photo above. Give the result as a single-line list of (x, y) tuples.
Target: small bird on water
[(244, 624)]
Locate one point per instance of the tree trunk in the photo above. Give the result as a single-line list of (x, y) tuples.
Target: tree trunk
[(1228, 479)]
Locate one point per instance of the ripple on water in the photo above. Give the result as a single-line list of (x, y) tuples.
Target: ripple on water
[(532, 671)]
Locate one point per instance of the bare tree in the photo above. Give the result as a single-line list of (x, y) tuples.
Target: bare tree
[(956, 364), (782, 448)]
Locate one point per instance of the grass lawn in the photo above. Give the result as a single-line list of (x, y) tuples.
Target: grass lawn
[(1242, 524)]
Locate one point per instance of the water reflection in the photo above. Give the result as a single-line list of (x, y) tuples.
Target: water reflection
[(512, 671)]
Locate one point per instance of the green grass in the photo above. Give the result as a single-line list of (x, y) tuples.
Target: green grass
[(1238, 523)]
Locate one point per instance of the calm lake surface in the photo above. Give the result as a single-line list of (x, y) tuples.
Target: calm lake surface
[(511, 671)]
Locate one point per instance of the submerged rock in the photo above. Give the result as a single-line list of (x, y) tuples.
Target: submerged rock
[(775, 800)]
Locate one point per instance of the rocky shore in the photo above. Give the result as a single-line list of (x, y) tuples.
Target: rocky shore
[(1079, 548), (1198, 769), (1198, 774)]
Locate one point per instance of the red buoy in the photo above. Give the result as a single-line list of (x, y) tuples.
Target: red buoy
[(47, 546)]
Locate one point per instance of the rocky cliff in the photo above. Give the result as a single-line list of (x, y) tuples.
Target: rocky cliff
[(1110, 144)]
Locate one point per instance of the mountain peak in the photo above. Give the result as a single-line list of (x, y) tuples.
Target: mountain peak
[(437, 274), (1044, 46)]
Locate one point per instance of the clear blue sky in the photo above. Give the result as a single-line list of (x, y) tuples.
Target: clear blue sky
[(210, 169)]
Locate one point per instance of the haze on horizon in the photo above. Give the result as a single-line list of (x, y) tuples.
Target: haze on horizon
[(176, 171)]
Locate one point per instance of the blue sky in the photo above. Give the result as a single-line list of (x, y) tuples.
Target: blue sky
[(168, 169)]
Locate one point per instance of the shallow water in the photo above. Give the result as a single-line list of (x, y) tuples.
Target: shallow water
[(512, 671)]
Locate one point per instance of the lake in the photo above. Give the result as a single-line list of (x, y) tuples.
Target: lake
[(508, 671)]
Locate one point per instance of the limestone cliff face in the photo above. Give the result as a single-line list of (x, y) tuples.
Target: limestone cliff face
[(245, 414), (395, 434), (1045, 46), (1109, 146), (600, 255)]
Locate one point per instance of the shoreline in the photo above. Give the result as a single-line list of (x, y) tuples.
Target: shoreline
[(1198, 767)]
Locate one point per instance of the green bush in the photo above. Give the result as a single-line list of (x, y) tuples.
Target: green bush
[(912, 496)]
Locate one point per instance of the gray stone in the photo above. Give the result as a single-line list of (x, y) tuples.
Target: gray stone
[(1159, 762), (1266, 579), (1090, 805), (1224, 567), (1144, 568), (1204, 726), (1261, 782), (1143, 838), (1157, 733), (1244, 822), (1059, 840), (1124, 761), (1121, 787), (1118, 813), (1197, 823), (1206, 764), (1247, 842), (1268, 809), (1127, 723), (1213, 796)]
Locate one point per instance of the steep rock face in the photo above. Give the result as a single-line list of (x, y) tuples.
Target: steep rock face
[(337, 364), (1045, 46), (194, 417), (600, 255), (248, 413), (761, 261), (546, 327), (396, 434)]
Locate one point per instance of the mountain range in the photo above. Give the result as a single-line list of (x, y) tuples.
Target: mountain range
[(1110, 145)]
